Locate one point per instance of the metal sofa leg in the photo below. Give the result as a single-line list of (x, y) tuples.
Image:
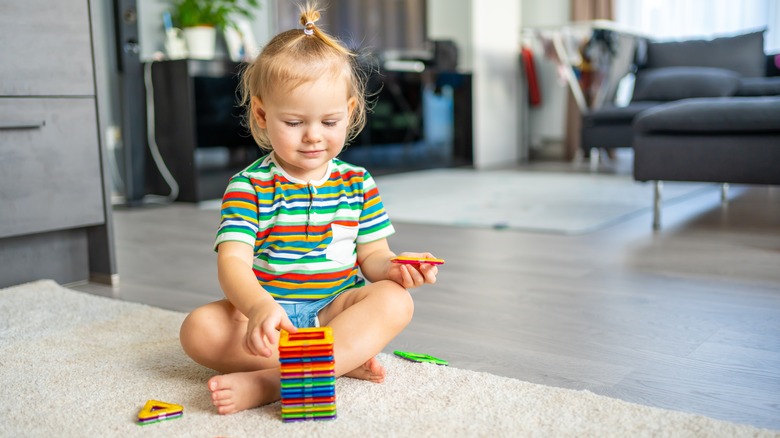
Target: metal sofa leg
[(657, 205), (724, 193), (594, 159)]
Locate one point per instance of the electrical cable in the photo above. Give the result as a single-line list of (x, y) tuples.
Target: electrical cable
[(152, 143)]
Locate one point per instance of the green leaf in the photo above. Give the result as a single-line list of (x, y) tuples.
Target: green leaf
[(217, 13)]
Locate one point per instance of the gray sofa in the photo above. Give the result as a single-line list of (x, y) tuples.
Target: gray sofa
[(702, 110), (721, 140), (734, 66)]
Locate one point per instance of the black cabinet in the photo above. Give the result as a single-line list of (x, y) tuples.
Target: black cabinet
[(196, 116)]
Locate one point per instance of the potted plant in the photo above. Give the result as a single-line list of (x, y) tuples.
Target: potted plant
[(200, 19)]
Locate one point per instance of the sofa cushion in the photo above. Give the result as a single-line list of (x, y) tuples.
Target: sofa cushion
[(759, 87), (713, 116), (674, 83), (616, 114), (742, 53)]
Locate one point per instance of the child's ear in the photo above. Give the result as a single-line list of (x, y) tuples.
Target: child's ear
[(351, 105), (258, 112)]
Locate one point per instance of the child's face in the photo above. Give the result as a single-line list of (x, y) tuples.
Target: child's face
[(307, 125)]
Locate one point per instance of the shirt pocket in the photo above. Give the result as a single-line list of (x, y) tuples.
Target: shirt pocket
[(342, 247)]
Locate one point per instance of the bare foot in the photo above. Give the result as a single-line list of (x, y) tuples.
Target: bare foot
[(235, 392), (372, 370)]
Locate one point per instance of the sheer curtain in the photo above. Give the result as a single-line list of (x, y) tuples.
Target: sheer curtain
[(678, 19)]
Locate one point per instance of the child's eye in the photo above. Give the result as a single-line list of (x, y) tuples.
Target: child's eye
[(330, 123), (293, 124)]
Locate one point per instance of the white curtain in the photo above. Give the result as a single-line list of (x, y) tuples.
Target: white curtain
[(678, 19)]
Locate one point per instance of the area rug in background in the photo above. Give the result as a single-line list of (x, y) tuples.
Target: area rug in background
[(78, 365), (566, 203)]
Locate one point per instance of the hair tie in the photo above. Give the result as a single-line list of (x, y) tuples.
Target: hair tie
[(308, 28)]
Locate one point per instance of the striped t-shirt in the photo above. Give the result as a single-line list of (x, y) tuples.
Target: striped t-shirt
[(304, 234)]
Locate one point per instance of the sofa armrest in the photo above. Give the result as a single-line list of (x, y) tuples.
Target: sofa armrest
[(769, 86), (756, 115)]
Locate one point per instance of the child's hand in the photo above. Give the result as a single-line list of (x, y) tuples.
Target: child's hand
[(410, 276), (261, 329)]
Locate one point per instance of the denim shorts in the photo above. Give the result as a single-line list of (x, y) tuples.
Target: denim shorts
[(304, 315)]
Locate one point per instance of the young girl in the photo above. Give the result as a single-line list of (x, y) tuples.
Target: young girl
[(296, 226)]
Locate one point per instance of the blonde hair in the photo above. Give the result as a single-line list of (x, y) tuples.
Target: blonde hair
[(298, 56)]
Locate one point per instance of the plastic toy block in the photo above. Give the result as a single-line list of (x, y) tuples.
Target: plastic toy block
[(309, 416), (307, 367), (155, 411), (296, 352), (307, 400), (420, 357), (308, 382), (313, 359), (300, 375), (326, 391), (404, 260), (159, 419), (305, 409), (306, 337)]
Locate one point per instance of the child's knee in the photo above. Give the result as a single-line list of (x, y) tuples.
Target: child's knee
[(194, 331), (398, 301)]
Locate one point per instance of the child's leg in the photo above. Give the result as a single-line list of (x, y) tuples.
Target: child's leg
[(364, 321), (213, 336)]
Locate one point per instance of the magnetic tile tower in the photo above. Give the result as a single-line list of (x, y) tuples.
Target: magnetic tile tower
[(308, 374)]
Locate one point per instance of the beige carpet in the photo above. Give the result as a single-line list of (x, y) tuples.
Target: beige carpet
[(559, 203), (77, 365)]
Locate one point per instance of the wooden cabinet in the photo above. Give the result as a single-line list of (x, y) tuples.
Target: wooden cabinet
[(49, 165), (46, 48), (54, 209)]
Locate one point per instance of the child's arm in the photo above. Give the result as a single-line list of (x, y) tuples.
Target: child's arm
[(234, 266), (374, 260)]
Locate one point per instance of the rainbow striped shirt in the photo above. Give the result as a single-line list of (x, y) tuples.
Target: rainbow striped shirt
[(304, 234)]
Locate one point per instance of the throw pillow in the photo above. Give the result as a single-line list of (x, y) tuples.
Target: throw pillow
[(742, 53), (675, 83)]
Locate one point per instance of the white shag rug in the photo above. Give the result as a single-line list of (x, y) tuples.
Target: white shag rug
[(79, 365), (564, 203)]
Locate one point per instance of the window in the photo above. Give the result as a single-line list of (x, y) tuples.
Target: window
[(678, 19)]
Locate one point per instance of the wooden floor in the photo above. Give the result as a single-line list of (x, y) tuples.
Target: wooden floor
[(687, 318)]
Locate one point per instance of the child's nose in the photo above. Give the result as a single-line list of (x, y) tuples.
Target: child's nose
[(312, 135)]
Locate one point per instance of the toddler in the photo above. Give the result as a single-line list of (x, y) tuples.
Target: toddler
[(296, 227)]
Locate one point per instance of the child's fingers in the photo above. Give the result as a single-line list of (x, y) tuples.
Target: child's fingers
[(253, 340), (406, 276), (415, 277), (269, 330), (286, 324), (429, 273)]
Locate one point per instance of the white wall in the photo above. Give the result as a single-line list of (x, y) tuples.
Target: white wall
[(152, 35), (488, 36), (547, 122), (447, 20), (497, 117)]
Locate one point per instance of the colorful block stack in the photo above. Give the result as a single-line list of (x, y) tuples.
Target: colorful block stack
[(308, 374)]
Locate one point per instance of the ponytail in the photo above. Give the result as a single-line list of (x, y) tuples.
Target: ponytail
[(310, 14)]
